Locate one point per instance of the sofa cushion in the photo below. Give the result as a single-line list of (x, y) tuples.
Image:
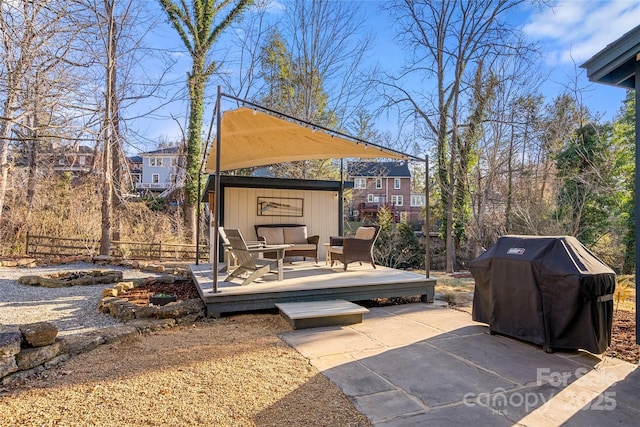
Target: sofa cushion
[(272, 235), (293, 235), (302, 247), (366, 233)]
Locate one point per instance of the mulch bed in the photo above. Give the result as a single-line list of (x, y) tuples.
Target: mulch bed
[(182, 289), (623, 338)]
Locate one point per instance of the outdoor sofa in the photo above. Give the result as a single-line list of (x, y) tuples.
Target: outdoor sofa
[(289, 234)]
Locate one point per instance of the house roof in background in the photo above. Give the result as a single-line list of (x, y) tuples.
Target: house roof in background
[(169, 150), (251, 138), (615, 65), (135, 159), (378, 169), (84, 149)]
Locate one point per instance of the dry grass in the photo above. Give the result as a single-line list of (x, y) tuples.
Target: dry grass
[(229, 372), (66, 207), (625, 295)]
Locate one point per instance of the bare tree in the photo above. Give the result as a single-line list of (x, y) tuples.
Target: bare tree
[(199, 25), (120, 27), (328, 47), (449, 41), (312, 67), (37, 54), (252, 31)]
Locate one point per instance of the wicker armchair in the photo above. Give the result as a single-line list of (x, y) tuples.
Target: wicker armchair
[(357, 248)]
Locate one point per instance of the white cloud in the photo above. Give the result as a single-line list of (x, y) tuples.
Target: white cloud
[(576, 30)]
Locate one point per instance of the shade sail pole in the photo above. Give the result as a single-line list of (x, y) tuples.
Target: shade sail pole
[(216, 221), (427, 219), (340, 201)]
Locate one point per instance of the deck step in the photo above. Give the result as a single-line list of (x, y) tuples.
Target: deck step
[(313, 314)]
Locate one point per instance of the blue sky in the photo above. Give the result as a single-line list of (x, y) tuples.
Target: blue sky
[(572, 33), (568, 35)]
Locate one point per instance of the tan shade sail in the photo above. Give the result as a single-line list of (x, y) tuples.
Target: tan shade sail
[(250, 138)]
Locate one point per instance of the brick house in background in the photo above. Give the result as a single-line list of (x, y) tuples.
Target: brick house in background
[(378, 184), (77, 160)]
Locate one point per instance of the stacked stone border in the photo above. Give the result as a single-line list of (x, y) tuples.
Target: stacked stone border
[(27, 350)]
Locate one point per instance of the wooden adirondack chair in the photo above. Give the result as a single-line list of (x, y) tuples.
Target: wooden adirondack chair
[(248, 264), (230, 260)]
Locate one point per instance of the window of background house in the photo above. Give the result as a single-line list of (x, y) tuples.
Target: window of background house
[(378, 183), (360, 183), (155, 178), (370, 198), (396, 183), (397, 200), (155, 161), (417, 200)]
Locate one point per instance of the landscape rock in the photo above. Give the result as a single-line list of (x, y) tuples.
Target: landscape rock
[(10, 339), (8, 263), (155, 268), (145, 312), (39, 334), (31, 357), (150, 325), (164, 279), (104, 259), (7, 365), (116, 333), (109, 292), (189, 318), (126, 285), (22, 375), (61, 358), (122, 310), (29, 280), (180, 308), (77, 344), (105, 303)]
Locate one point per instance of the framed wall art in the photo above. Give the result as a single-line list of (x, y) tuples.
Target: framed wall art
[(280, 206)]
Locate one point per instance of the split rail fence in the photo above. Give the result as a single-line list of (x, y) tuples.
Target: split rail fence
[(64, 246)]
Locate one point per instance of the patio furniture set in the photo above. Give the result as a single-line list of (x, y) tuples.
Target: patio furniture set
[(249, 261)]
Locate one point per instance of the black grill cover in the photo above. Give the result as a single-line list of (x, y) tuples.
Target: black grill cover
[(551, 291)]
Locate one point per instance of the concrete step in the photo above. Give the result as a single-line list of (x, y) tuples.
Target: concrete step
[(313, 314)]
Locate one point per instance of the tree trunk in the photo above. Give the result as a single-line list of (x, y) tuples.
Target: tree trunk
[(108, 134), (32, 156), (191, 190), (117, 157), (5, 133)]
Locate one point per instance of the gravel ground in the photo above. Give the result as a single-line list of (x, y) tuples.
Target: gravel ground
[(233, 371), (73, 309)]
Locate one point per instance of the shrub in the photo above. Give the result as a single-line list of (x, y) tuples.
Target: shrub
[(397, 245)]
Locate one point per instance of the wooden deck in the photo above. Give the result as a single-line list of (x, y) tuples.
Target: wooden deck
[(308, 281)]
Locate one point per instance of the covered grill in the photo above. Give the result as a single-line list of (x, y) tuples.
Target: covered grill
[(551, 291)]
